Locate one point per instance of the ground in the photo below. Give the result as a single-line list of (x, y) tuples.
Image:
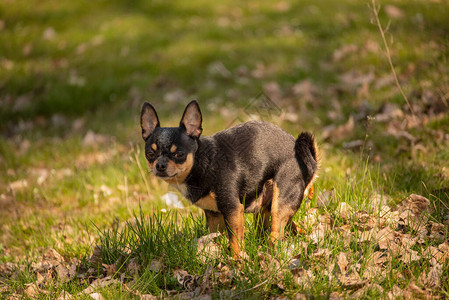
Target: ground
[(79, 209)]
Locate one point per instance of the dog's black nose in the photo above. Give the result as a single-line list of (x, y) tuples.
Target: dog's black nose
[(161, 167)]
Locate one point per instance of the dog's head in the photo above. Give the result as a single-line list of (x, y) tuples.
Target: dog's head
[(170, 151)]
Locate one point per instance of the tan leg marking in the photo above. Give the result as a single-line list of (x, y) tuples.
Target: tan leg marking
[(236, 223), (280, 216)]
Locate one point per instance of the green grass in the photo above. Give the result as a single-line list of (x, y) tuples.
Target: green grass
[(94, 63)]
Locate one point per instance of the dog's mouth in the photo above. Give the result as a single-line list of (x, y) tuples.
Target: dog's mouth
[(165, 176)]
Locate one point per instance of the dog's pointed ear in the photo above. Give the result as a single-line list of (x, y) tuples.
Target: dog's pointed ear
[(148, 120), (192, 120)]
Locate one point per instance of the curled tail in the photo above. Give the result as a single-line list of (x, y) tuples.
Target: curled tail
[(306, 153)]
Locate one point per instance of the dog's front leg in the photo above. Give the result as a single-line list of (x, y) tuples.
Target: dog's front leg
[(235, 225)]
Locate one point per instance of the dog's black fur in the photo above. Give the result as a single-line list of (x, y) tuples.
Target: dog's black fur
[(253, 167)]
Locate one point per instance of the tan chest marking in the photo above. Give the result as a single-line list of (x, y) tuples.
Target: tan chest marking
[(208, 203)]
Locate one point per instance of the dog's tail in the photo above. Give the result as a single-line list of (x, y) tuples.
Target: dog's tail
[(306, 152)]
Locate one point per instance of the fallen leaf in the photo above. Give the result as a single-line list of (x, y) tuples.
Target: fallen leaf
[(111, 270), (96, 296), (394, 12), (336, 133), (65, 296), (92, 139), (18, 185), (303, 278), (156, 266), (148, 297), (344, 51), (317, 235), (433, 278), (187, 281), (52, 254), (395, 293), (32, 290), (416, 203), (225, 275), (207, 248), (134, 267), (409, 255), (63, 273), (364, 290), (96, 259), (345, 210), (100, 283), (437, 231), (387, 112), (321, 253), (342, 262), (352, 280)]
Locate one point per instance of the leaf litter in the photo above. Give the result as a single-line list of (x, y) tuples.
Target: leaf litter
[(403, 235)]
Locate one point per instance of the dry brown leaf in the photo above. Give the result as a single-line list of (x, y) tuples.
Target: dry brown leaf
[(342, 262), (321, 254), (96, 296), (433, 278), (65, 296), (367, 236), (416, 203), (63, 273), (189, 282), (409, 255), (148, 297), (111, 270), (413, 292), (335, 296), (369, 287), (395, 293), (343, 51), (18, 185), (394, 12), (336, 133), (385, 238), (352, 280), (52, 254), (225, 275), (303, 278), (374, 272), (156, 266), (32, 290), (100, 283), (96, 259), (345, 210), (207, 248), (317, 235), (437, 231), (134, 266), (300, 296), (432, 252), (311, 218)]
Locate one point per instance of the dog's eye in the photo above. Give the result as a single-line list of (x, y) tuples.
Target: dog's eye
[(178, 154), (150, 155)]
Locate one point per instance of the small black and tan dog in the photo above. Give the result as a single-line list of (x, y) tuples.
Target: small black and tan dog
[(254, 167)]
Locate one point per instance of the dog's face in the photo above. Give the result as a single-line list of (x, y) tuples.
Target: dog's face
[(170, 151)]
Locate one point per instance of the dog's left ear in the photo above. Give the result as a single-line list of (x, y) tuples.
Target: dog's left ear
[(149, 120), (192, 120)]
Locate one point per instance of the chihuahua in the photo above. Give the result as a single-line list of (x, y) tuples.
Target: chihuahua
[(254, 167)]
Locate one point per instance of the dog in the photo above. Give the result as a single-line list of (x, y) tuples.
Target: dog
[(254, 167)]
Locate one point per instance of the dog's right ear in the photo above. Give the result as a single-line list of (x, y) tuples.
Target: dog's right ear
[(148, 120)]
